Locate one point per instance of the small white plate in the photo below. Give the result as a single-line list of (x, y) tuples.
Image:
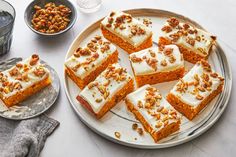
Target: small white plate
[(35, 104), (120, 120)]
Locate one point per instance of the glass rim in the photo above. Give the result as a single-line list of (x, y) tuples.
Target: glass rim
[(14, 13)]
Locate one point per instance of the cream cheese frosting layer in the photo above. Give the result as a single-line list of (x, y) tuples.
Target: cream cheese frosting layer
[(153, 107), (92, 55), (154, 60), (197, 84), (105, 86), (22, 76), (188, 36), (126, 27)]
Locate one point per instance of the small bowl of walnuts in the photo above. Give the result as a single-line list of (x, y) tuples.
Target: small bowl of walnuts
[(50, 17)]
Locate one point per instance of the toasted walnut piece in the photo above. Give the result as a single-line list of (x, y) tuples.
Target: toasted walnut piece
[(98, 37), (14, 72), (166, 29), (175, 37), (214, 75), (201, 89), (39, 71), (92, 84), (152, 62), (85, 52), (160, 108), (140, 104), (110, 20), (117, 134), (152, 53), (135, 126), (199, 97), (166, 123), (173, 22), (108, 25), (164, 63), (172, 59), (190, 41), (198, 38), (98, 100), (186, 26), (34, 59), (168, 51), (112, 13), (135, 59), (140, 131), (19, 65), (17, 86), (159, 124), (164, 111)]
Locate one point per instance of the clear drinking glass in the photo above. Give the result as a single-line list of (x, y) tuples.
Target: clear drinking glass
[(89, 6), (7, 17)]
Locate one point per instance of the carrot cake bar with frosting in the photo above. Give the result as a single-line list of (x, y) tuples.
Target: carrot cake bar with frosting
[(88, 62), (157, 116), (110, 87), (156, 65), (23, 80), (195, 90), (127, 32), (194, 43)]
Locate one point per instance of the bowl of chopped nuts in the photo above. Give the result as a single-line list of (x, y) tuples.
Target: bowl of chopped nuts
[(50, 17)]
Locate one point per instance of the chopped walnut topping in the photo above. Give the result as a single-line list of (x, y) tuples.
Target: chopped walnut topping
[(214, 75), (175, 37), (199, 97), (117, 134), (159, 124), (136, 30), (98, 100), (173, 22), (147, 22), (172, 59), (39, 71), (85, 52), (19, 65), (34, 59), (182, 86), (140, 104), (202, 89), (164, 63), (17, 86), (198, 38), (92, 84), (152, 62), (152, 53), (186, 26), (166, 29), (168, 51), (135, 126), (190, 41), (14, 72), (140, 131), (135, 59)]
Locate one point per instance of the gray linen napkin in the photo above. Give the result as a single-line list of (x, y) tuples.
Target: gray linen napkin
[(25, 138)]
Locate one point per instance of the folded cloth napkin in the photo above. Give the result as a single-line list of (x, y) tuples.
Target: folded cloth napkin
[(25, 138)]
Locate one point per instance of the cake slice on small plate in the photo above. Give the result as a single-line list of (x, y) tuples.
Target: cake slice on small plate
[(195, 44), (89, 61), (126, 32), (156, 65), (195, 90), (110, 87), (157, 116), (23, 80)]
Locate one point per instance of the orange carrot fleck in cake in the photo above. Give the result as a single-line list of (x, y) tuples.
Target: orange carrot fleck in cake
[(194, 43), (110, 87), (23, 80), (127, 32), (195, 90), (156, 65), (88, 62), (156, 115)]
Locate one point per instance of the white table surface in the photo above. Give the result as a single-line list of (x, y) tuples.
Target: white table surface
[(73, 138)]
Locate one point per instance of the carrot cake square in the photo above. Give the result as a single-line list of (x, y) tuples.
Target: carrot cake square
[(88, 62), (197, 88), (195, 44), (23, 80), (110, 87), (157, 116), (126, 31), (156, 65)]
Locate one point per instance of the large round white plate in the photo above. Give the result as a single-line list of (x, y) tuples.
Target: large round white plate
[(36, 104), (121, 120)]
